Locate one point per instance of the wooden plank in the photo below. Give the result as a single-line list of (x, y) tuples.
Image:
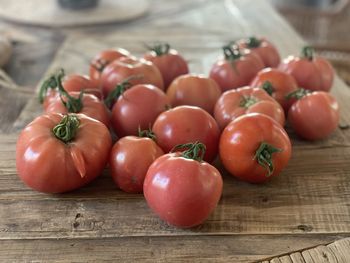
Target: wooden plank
[(304, 199), (245, 248)]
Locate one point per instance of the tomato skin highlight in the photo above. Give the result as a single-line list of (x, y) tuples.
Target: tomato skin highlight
[(92, 107), (314, 116), (129, 161), (194, 90), (237, 73), (182, 192), (138, 107), (282, 85), (229, 106), (184, 124), (240, 140), (170, 65), (49, 165), (145, 72)]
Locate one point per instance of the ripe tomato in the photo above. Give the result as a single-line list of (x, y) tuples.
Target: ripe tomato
[(184, 124), (310, 71), (263, 48), (57, 153), (236, 69), (83, 103), (49, 89), (194, 90), (277, 83), (169, 62), (144, 72), (129, 161), (254, 148), (182, 189), (138, 108), (234, 103), (315, 115), (102, 59)]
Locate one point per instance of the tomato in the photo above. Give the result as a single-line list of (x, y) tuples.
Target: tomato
[(141, 71), (102, 59), (74, 82), (277, 83), (138, 107), (254, 148), (58, 153), (182, 189), (129, 161), (315, 115), (184, 124), (310, 71), (169, 62), (86, 104), (234, 103), (236, 69), (263, 48), (194, 90)]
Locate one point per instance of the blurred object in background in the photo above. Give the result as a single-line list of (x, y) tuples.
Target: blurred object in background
[(62, 13), (5, 50), (325, 24)]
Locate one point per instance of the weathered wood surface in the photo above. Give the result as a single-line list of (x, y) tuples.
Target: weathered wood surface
[(308, 205)]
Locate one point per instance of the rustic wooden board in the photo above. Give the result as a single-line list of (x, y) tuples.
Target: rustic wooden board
[(306, 206)]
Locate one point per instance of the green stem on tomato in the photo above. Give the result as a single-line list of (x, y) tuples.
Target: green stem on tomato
[(120, 89), (231, 53), (247, 101), (297, 94), (49, 83), (268, 87), (159, 48), (252, 42), (67, 128), (307, 52), (147, 134), (194, 151), (263, 155)]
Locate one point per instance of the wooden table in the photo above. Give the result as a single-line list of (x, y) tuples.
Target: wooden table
[(306, 207)]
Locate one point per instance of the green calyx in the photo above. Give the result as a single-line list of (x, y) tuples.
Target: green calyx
[(263, 155), (298, 94), (159, 48), (49, 83), (67, 128), (268, 87), (231, 53), (247, 101), (194, 151), (307, 52), (253, 42), (147, 134)]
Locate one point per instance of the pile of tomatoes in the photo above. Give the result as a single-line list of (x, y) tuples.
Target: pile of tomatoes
[(168, 126)]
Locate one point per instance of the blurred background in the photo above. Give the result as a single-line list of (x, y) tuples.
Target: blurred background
[(32, 30)]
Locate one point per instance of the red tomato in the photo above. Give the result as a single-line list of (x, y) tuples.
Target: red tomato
[(129, 161), (144, 72), (254, 148), (194, 90), (102, 59), (277, 83), (48, 91), (263, 48), (184, 124), (138, 107), (88, 104), (310, 71), (236, 69), (234, 103), (57, 153), (314, 116), (169, 62), (182, 190)]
